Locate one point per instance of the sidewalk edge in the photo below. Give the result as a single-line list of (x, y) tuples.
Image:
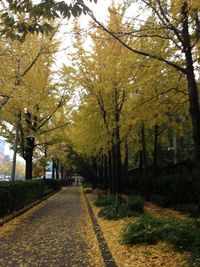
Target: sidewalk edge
[(105, 252)]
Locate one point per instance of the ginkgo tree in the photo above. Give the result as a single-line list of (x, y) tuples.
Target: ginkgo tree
[(88, 135), (178, 22), (104, 75), (125, 97), (157, 92), (35, 100)]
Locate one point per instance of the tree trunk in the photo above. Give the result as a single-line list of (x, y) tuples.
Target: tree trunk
[(102, 170), (94, 168), (105, 171), (29, 148), (113, 164), (193, 94), (141, 162), (53, 169), (118, 175), (155, 151), (126, 165), (144, 151), (117, 155), (109, 172), (175, 150), (57, 169), (99, 175), (62, 171)]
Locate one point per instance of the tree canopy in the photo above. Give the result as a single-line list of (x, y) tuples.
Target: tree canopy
[(18, 18), (128, 99)]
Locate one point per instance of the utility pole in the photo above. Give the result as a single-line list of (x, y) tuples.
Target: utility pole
[(15, 153)]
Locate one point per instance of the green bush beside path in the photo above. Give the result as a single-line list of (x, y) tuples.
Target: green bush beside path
[(15, 195)]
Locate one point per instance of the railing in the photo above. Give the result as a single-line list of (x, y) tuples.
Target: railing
[(184, 167)]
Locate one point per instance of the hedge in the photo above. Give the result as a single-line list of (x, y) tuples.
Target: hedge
[(170, 189), (15, 195)]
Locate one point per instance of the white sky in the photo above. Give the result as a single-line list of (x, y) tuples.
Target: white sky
[(100, 10), (8, 151)]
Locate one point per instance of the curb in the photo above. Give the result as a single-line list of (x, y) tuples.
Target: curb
[(20, 212), (105, 252)]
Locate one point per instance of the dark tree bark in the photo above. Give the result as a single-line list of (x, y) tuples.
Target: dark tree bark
[(155, 151), (105, 171), (141, 163), (113, 164), (144, 150), (28, 156), (126, 163), (53, 168), (94, 168), (57, 168), (194, 108), (101, 161), (117, 150), (62, 171), (99, 172), (110, 172), (117, 156)]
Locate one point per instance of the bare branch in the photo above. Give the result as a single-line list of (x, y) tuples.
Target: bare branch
[(54, 128), (168, 62)]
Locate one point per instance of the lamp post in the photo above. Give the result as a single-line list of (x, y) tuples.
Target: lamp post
[(15, 153)]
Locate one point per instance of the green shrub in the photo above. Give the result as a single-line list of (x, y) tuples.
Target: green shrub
[(182, 235), (15, 195), (125, 211), (53, 184), (136, 203), (5, 197), (105, 200), (147, 230), (110, 212), (191, 209), (48, 191)]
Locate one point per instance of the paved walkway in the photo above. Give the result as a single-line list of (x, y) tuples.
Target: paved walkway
[(53, 235)]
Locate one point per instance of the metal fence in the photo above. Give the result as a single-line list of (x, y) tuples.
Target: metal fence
[(184, 167)]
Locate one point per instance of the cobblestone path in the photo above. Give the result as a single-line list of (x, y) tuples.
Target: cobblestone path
[(52, 235)]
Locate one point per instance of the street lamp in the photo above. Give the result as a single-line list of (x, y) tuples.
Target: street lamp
[(15, 153)]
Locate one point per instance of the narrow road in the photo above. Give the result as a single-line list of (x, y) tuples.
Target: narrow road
[(53, 235)]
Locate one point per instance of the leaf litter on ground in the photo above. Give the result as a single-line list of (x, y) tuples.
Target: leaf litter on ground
[(155, 255)]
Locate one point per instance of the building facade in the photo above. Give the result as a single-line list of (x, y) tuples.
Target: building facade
[(2, 147)]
